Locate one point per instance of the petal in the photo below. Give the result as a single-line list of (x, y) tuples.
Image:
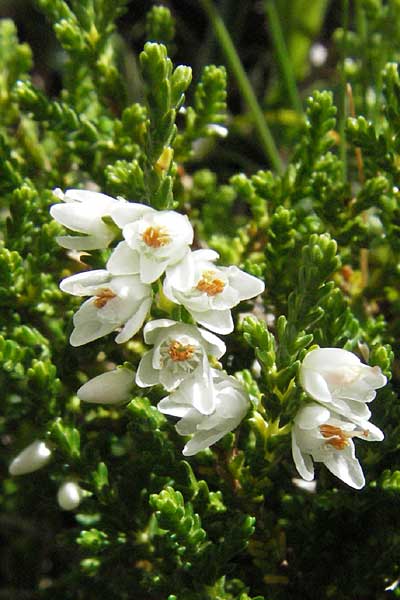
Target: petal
[(123, 261), (311, 416), (78, 217), (373, 376), (303, 462), (215, 346), (181, 275), (150, 269), (88, 326), (228, 298), (351, 409), (128, 212), (133, 325), (32, 458), (219, 321), (152, 329), (331, 358), (94, 198), (199, 392), (111, 387), (205, 254), (202, 440), (247, 285), (86, 283), (86, 242), (314, 384), (170, 406), (188, 424), (345, 465), (146, 376)]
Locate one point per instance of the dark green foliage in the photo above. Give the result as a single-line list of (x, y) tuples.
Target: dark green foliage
[(228, 523)]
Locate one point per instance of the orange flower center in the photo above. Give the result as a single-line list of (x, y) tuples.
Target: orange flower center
[(210, 284), (179, 352), (103, 296), (338, 438), (155, 237)]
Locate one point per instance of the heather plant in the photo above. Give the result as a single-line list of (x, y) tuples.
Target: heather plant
[(200, 307)]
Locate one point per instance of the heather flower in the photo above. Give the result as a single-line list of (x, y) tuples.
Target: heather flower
[(320, 435), (117, 302), (213, 292)]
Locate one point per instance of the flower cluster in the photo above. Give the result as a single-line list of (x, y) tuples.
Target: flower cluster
[(156, 244), (323, 431)]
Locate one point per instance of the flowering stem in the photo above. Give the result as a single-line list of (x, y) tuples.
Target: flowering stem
[(282, 54), (342, 91), (245, 87)]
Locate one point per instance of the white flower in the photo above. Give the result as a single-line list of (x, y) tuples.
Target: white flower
[(33, 457), (338, 379), (117, 301), (69, 495), (112, 387), (180, 354), (83, 211), (230, 407), (154, 241), (323, 436), (214, 290)]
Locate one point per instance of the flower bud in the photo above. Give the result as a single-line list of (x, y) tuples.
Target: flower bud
[(32, 458), (112, 387), (69, 495)]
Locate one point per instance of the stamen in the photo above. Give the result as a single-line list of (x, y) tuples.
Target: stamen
[(336, 437), (104, 296), (209, 284), (155, 237), (179, 352)]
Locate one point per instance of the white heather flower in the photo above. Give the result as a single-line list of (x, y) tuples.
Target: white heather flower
[(112, 387), (32, 458), (338, 379), (154, 242), (116, 302), (180, 355), (231, 403), (213, 292), (83, 211), (69, 495), (323, 436)]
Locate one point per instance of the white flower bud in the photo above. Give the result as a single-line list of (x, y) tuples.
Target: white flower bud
[(32, 458), (112, 387), (69, 495)]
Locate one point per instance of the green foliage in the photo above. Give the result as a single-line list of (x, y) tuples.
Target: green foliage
[(228, 523)]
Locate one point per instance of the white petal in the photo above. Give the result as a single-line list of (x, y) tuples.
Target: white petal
[(133, 325), (216, 347), (111, 387), (205, 254), (88, 326), (86, 242), (96, 199), (311, 416), (314, 384), (181, 275), (331, 358), (373, 376), (128, 212), (303, 462), (78, 217), (188, 424), (202, 440), (69, 495), (344, 465), (169, 406), (33, 457), (219, 321), (199, 392), (151, 270), (152, 329), (123, 261), (86, 283), (247, 285), (146, 376)]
